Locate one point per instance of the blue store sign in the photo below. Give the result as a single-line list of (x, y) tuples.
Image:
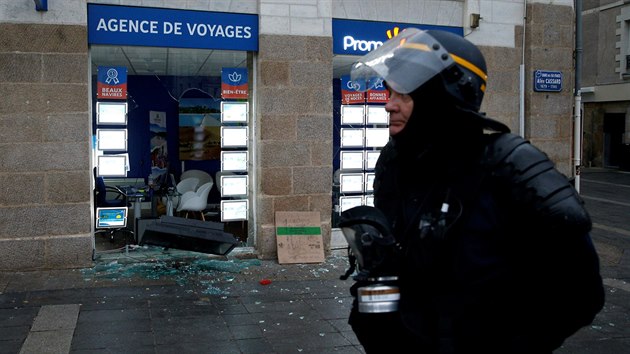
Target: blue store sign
[(547, 81), (354, 37), (125, 25)]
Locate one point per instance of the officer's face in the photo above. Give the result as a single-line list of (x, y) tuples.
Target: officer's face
[(399, 107)]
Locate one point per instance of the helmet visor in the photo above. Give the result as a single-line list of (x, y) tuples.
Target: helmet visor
[(404, 62)]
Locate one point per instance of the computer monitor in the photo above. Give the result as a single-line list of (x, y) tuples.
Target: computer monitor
[(111, 217)]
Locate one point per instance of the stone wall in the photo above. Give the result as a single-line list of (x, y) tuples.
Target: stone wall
[(550, 46), (45, 213), (295, 137), (501, 98)]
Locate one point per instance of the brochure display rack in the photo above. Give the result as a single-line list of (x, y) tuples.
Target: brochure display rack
[(233, 181), (112, 159), (110, 141), (364, 131)]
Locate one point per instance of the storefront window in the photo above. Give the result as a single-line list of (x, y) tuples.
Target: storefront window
[(179, 119), (183, 77)]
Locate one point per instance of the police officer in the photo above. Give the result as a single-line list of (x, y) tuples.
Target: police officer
[(494, 247)]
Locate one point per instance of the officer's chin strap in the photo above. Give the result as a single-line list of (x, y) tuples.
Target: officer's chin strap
[(353, 265)]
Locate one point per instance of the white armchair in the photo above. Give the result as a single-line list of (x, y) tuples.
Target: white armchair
[(185, 185), (203, 176), (195, 201)]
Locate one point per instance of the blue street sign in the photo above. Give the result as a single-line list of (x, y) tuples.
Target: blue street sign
[(547, 81)]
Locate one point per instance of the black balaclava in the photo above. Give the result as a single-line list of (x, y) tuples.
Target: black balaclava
[(436, 124)]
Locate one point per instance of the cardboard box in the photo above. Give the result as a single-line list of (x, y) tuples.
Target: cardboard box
[(299, 237)]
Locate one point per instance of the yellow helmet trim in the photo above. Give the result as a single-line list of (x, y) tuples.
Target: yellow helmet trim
[(472, 67), (418, 46)]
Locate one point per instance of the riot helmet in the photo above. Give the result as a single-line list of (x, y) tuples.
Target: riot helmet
[(415, 57)]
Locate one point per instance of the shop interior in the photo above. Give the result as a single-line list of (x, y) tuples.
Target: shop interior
[(174, 98), (185, 155)]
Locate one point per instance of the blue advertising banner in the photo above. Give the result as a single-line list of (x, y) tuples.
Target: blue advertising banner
[(355, 37), (111, 82), (377, 92), (234, 83), (126, 25), (350, 91)]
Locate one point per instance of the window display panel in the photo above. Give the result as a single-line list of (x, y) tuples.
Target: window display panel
[(369, 182), (376, 137), (351, 137), (111, 139), (233, 210), (351, 160), (112, 166), (233, 112), (234, 161), (351, 182), (352, 115), (111, 113), (377, 115), (234, 186), (233, 136), (346, 203), (370, 159)]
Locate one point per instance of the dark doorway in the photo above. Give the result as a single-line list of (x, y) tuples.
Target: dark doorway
[(614, 127)]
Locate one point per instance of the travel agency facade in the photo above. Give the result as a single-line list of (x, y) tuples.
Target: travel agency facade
[(295, 54)]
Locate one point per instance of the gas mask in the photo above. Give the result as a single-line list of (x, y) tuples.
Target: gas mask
[(373, 254)]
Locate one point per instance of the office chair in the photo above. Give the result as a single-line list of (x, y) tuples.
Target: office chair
[(101, 192)]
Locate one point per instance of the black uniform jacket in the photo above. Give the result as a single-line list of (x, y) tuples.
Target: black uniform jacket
[(480, 272)]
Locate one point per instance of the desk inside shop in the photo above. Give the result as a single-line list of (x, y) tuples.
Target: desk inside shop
[(153, 219)]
